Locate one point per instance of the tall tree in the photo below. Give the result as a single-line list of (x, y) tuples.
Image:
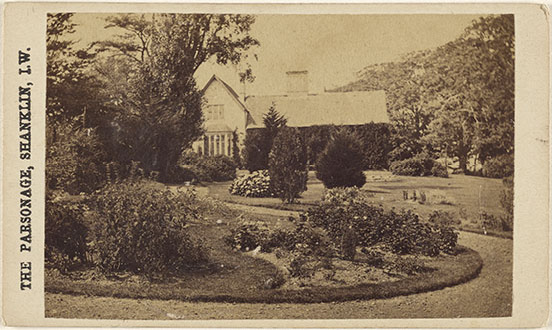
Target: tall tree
[(150, 67), (71, 92)]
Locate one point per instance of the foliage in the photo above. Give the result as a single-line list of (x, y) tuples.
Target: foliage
[(66, 234), (256, 184), (420, 165), (499, 167), (340, 165), (149, 71), (255, 152), (288, 165), (439, 170), (430, 103), (399, 232), (493, 222), (258, 142), (142, 229), (67, 76), (410, 167), (74, 162), (375, 139), (249, 235), (208, 168)]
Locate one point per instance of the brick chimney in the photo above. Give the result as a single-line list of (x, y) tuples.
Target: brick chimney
[(297, 82)]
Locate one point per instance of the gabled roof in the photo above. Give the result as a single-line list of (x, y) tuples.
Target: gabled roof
[(350, 108), (229, 89)]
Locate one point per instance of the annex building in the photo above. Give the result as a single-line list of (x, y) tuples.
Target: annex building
[(225, 112)]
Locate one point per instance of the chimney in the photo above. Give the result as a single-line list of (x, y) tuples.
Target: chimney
[(297, 82)]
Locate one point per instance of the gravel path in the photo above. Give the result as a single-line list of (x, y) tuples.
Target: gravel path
[(489, 295)]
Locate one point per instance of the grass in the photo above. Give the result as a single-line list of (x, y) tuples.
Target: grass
[(240, 286), (462, 195), (232, 276)]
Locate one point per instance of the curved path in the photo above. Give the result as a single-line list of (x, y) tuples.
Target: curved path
[(489, 295)]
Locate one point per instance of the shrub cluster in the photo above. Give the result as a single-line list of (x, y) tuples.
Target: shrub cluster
[(66, 234), (143, 230), (399, 232), (419, 165), (499, 167), (205, 168), (340, 165), (256, 184)]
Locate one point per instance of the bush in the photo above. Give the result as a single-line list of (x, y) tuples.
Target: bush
[(256, 184), (74, 161), (142, 229), (66, 235), (340, 165), (499, 167), (207, 168), (420, 165), (409, 167), (399, 232), (249, 235), (288, 165)]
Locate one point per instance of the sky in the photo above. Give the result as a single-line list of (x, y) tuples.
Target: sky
[(332, 48)]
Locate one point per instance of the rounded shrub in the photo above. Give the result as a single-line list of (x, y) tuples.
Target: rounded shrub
[(341, 163), (256, 184), (287, 163), (142, 229)]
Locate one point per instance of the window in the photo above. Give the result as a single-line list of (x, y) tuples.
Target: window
[(214, 112)]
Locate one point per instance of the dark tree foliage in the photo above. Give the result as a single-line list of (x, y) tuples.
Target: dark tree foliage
[(149, 69), (254, 153), (340, 165), (288, 164), (258, 142)]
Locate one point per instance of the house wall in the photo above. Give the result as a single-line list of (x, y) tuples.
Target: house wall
[(234, 117)]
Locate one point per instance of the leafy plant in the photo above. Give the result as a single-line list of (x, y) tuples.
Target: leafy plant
[(288, 165), (142, 229), (256, 184), (499, 167), (340, 165)]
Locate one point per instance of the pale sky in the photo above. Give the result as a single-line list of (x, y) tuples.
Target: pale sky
[(331, 47)]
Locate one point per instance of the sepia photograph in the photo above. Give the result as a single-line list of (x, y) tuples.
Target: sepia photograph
[(238, 166)]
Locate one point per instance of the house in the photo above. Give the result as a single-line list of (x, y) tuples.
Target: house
[(225, 113)]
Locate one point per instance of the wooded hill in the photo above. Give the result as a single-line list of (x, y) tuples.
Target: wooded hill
[(457, 99)]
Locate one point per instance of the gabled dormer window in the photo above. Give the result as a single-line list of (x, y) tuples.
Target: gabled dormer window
[(214, 112)]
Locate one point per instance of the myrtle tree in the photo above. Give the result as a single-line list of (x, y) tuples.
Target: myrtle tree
[(287, 164)]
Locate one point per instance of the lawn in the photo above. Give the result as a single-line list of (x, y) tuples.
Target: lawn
[(462, 195)]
